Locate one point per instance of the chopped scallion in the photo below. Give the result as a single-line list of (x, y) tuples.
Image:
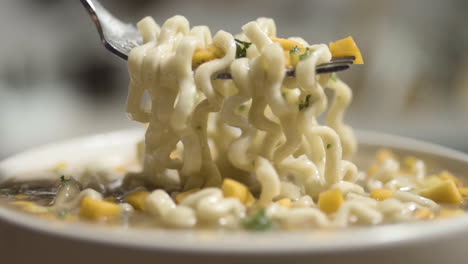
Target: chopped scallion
[(63, 180), (334, 77), (294, 50), (62, 214), (258, 221), (305, 104), (241, 48), (306, 54)]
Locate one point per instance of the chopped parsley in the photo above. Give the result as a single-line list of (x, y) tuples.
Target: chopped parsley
[(258, 221), (294, 50), (63, 180), (241, 48), (305, 104), (329, 146), (62, 214), (14, 191), (294, 55), (306, 54), (199, 127), (334, 77), (297, 54)]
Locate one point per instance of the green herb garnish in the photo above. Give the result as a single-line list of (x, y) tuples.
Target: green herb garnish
[(334, 77), (294, 50), (306, 54), (258, 221), (62, 214), (14, 191), (329, 146), (241, 48), (199, 127), (305, 104), (63, 180)]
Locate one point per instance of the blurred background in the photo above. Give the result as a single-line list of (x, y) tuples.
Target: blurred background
[(57, 81)]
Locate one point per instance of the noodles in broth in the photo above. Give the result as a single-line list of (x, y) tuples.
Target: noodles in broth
[(234, 141)]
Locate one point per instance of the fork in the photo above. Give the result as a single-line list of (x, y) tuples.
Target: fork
[(120, 38)]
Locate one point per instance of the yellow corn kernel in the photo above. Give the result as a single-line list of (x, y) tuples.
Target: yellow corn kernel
[(21, 203), (444, 192), (98, 210), (287, 44), (384, 154), (250, 199), (410, 162), (137, 199), (31, 207), (181, 196), (448, 213), (463, 191), (373, 170), (381, 194), (21, 197), (232, 188), (60, 166), (445, 175), (330, 201), (288, 59), (111, 199), (286, 202), (431, 180), (424, 214), (209, 53), (346, 47), (235, 189)]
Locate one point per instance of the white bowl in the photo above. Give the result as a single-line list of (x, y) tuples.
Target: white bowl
[(25, 239)]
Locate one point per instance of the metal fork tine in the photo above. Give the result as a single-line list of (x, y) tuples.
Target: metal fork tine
[(333, 68), (336, 62), (347, 58), (335, 65), (120, 38), (328, 68), (340, 60), (321, 69)]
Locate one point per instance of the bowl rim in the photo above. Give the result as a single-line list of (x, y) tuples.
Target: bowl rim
[(200, 242)]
